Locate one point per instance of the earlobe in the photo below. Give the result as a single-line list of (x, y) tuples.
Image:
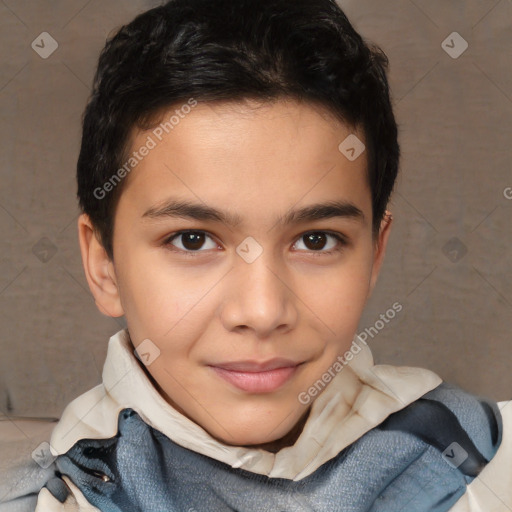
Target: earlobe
[(380, 249), (99, 270)]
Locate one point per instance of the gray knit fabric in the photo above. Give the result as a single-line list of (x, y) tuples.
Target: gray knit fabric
[(419, 459)]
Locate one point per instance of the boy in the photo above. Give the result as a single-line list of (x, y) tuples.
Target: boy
[(236, 163)]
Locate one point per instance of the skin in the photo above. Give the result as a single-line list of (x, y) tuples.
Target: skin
[(296, 300)]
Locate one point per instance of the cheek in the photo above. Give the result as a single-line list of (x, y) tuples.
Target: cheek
[(345, 284), (338, 298), (160, 300), (147, 292)]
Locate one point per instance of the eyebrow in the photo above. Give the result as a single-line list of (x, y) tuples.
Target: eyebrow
[(196, 211)]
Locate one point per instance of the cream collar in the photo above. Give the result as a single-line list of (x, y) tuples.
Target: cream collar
[(358, 398)]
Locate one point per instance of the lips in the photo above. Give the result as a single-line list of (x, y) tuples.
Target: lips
[(254, 366), (257, 377)]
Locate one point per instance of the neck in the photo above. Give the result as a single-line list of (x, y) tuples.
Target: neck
[(288, 439)]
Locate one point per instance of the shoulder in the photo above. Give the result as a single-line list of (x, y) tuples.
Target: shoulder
[(29, 475), (491, 491), (475, 418), (25, 462), (473, 434), (465, 428)]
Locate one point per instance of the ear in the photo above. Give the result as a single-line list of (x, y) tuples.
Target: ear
[(99, 270), (380, 249)]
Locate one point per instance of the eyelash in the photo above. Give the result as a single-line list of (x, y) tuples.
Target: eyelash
[(343, 242)]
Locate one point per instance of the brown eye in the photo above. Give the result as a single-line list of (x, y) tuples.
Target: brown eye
[(191, 241), (317, 241)]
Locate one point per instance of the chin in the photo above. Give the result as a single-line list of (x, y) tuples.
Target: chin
[(246, 439), (257, 435)]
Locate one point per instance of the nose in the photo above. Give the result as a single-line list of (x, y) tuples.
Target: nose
[(259, 297)]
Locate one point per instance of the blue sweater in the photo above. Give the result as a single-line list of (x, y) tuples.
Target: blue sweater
[(419, 459)]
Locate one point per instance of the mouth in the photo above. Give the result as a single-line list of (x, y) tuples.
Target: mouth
[(254, 377)]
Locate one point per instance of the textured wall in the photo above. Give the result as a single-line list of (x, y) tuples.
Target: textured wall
[(449, 262)]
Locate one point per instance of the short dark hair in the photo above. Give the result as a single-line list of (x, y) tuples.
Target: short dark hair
[(233, 50)]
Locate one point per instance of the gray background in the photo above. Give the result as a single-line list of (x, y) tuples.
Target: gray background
[(450, 255)]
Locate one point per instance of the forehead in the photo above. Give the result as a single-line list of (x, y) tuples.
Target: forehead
[(246, 156)]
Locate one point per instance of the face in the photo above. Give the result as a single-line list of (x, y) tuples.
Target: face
[(247, 291)]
